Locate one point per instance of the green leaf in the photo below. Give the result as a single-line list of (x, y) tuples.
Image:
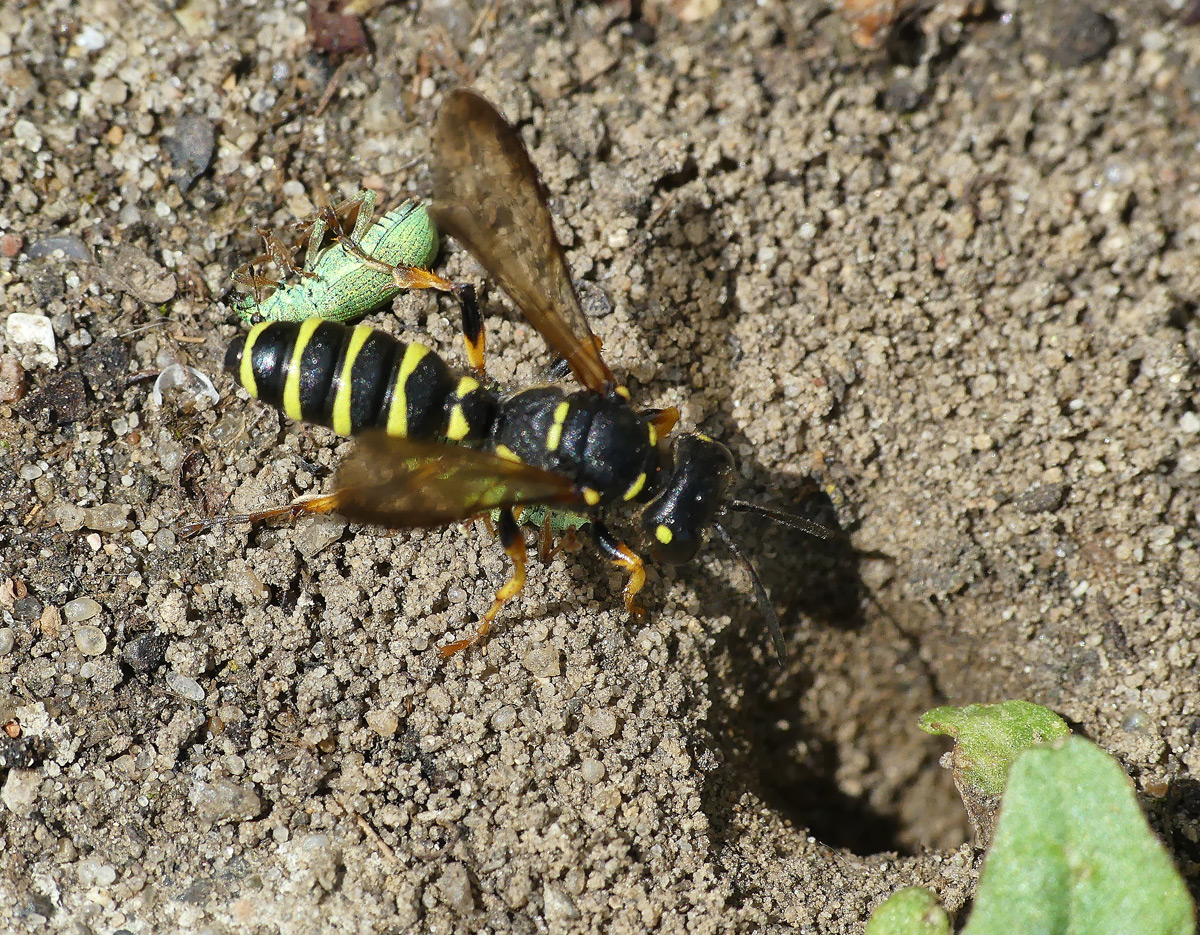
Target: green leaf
[(988, 737), (1073, 854), (912, 911)]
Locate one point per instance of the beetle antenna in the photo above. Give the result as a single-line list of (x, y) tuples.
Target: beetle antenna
[(782, 517), (764, 601)]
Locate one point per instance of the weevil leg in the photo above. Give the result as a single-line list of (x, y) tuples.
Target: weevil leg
[(316, 234), (514, 546), (548, 548), (546, 538), (281, 254), (366, 213), (623, 556), (247, 275)]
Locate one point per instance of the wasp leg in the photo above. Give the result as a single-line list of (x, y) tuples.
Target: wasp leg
[(514, 546), (321, 503), (620, 554), (472, 325), (560, 369)]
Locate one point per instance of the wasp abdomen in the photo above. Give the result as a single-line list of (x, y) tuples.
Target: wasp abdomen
[(351, 379)]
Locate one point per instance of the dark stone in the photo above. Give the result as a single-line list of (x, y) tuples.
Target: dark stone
[(104, 366), (61, 401), (190, 144), (146, 652), (1080, 35), (1042, 498)]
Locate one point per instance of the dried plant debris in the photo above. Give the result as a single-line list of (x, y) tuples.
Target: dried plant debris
[(872, 21)]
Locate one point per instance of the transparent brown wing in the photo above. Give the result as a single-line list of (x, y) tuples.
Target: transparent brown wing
[(399, 482), (487, 195)]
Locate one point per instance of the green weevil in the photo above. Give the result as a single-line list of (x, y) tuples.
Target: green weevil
[(352, 275)]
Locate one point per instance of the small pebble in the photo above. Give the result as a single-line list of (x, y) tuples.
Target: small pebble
[(108, 517), (81, 609), (90, 39), (591, 770), (384, 723), (225, 801), (113, 92), (1189, 422), (505, 718), (94, 872), (34, 331), (601, 723), (185, 687), (455, 887), (20, 792), (13, 383), (30, 472), (26, 133), (543, 661), (559, 904), (68, 244), (27, 608), (11, 244), (68, 516), (190, 144), (91, 640), (7, 640)]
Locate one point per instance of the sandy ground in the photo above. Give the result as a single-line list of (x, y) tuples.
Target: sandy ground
[(962, 292)]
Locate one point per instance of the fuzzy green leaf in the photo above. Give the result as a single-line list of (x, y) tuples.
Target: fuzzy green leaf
[(988, 737), (912, 911), (1073, 854)]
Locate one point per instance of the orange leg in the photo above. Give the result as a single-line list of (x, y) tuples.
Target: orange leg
[(623, 556), (514, 546), (321, 503)]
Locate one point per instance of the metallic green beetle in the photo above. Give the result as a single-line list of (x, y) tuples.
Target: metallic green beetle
[(352, 275)]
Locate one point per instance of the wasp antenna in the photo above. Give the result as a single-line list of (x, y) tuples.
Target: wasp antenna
[(764, 601), (783, 518)]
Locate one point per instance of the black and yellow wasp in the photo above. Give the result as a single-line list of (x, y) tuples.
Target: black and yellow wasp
[(436, 447)]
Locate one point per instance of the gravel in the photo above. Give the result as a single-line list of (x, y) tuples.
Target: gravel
[(958, 296)]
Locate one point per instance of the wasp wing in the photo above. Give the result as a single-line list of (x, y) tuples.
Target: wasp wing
[(487, 195), (398, 482)]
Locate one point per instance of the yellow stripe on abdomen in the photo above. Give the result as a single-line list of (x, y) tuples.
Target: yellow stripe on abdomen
[(397, 424), (342, 423), (246, 372), (291, 386)]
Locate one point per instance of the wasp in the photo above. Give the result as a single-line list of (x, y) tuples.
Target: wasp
[(362, 268), (435, 446)]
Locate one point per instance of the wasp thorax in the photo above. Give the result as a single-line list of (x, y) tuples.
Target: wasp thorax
[(691, 498)]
